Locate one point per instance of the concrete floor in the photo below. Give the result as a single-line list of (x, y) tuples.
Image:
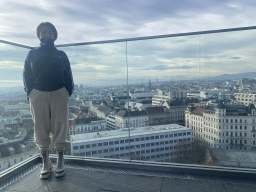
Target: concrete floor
[(77, 180)]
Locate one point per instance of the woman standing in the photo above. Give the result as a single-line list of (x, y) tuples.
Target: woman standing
[(49, 83)]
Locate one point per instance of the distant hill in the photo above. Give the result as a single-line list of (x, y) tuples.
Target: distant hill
[(249, 75)]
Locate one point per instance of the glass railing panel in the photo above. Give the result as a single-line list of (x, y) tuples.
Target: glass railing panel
[(97, 106), (189, 86), (190, 101), (16, 125)]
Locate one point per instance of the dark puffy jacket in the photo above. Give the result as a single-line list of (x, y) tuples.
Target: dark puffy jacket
[(55, 73)]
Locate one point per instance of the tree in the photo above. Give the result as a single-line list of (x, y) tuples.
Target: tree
[(191, 152)]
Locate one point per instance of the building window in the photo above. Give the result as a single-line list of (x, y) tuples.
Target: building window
[(153, 157), (75, 147), (99, 144), (105, 143), (111, 142), (105, 150)]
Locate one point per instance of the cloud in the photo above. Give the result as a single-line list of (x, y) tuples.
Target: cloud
[(85, 21), (11, 65), (163, 67), (235, 57)]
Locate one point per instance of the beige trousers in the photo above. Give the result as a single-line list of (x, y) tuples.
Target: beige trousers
[(50, 115)]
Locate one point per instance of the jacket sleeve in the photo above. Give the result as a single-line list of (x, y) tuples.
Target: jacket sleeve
[(68, 76), (28, 76)]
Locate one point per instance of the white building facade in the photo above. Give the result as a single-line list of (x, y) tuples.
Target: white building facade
[(142, 94), (155, 143), (221, 129)]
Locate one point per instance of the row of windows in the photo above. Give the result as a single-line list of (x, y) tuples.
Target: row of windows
[(223, 120), (137, 139), (133, 146), (215, 126), (232, 142), (223, 127), (126, 154)]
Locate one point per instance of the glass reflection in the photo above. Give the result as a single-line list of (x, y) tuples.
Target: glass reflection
[(16, 125)]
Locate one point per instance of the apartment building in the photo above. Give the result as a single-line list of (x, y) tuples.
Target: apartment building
[(153, 143), (78, 126), (135, 95), (17, 107), (158, 115), (226, 126), (136, 119), (245, 98), (162, 96)]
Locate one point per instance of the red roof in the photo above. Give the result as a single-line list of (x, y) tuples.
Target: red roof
[(198, 111), (71, 122)]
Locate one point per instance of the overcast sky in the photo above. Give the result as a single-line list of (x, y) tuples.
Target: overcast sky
[(172, 58)]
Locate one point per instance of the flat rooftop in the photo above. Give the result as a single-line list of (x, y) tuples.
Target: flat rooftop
[(98, 175), (111, 134)]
